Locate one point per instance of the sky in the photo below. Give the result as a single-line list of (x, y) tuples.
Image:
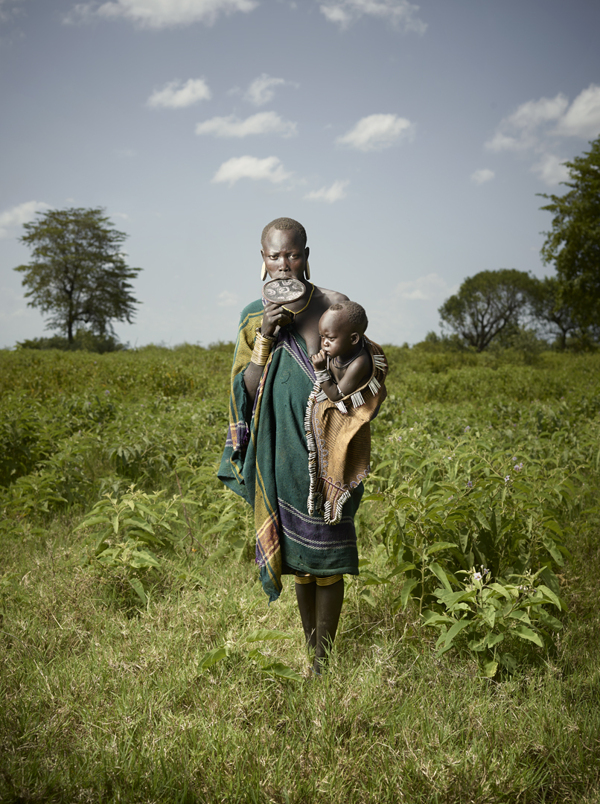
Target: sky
[(411, 140)]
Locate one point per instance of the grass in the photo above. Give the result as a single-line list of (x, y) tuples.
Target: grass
[(102, 699)]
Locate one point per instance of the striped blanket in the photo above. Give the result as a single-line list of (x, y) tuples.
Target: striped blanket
[(266, 462)]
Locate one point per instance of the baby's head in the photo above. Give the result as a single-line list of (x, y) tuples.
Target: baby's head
[(342, 327)]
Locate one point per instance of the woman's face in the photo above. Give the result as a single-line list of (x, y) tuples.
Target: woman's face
[(284, 254)]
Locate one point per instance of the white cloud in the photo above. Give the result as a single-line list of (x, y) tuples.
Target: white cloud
[(17, 216), (583, 117), (538, 126), (399, 13), (159, 13), (178, 95), (377, 131), (431, 287), (535, 123), (521, 130), (260, 123), (336, 192), (533, 113), (550, 169), (250, 167), (482, 175), (261, 89), (227, 299)]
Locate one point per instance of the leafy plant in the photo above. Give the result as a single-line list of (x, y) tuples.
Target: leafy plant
[(136, 530), (486, 616)]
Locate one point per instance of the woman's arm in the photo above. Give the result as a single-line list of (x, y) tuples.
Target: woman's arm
[(273, 317)]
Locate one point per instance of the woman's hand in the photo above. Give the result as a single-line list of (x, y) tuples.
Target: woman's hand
[(274, 316), (319, 360)]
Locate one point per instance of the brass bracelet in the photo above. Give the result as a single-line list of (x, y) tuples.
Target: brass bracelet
[(262, 349)]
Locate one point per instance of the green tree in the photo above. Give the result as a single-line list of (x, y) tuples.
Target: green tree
[(553, 317), (486, 305), (78, 273), (573, 244)]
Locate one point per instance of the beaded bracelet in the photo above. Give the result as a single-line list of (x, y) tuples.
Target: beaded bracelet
[(323, 375), (262, 349)]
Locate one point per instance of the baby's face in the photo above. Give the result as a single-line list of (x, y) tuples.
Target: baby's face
[(337, 337)]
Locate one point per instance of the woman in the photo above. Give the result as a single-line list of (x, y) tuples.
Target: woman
[(266, 455)]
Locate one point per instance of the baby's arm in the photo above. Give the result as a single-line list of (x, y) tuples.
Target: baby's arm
[(356, 375), (324, 377)]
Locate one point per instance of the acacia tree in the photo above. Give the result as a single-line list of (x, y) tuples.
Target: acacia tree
[(78, 273), (573, 244), (486, 305)]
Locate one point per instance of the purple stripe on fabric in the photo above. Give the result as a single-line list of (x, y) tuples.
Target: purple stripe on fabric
[(242, 435), (312, 531), (287, 340)]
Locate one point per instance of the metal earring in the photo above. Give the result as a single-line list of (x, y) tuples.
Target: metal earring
[(263, 272), (307, 272)]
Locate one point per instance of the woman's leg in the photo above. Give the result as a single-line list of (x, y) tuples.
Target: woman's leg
[(305, 595), (328, 606)]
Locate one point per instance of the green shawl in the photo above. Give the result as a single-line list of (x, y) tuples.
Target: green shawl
[(266, 459)]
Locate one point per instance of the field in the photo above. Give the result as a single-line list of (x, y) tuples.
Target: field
[(140, 662)]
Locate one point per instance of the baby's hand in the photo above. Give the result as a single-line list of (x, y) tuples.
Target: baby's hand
[(319, 360)]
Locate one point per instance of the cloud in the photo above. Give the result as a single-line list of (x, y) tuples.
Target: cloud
[(400, 13), (582, 119), (125, 153), (9, 8), (178, 95), (482, 175), (336, 192), (158, 13), (537, 128), (428, 288), (550, 169), (261, 90), (227, 299), (17, 216), (250, 167), (260, 123), (521, 130), (377, 131)]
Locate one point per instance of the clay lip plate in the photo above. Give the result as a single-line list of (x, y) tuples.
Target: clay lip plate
[(282, 291)]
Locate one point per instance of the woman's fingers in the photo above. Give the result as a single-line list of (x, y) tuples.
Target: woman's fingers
[(274, 316)]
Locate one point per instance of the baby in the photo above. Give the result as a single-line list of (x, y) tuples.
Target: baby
[(343, 364), (351, 372)]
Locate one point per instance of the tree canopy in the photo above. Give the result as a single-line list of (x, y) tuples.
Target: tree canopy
[(552, 316), (486, 305), (573, 244), (78, 272)]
